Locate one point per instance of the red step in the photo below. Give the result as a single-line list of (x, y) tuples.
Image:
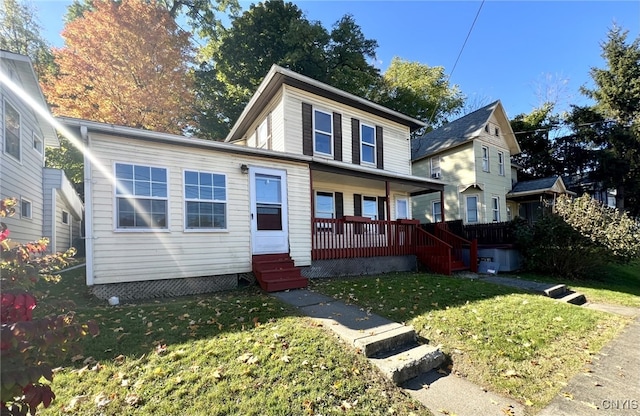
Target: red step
[(275, 272)]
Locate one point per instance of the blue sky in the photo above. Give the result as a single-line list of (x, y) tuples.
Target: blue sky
[(516, 50)]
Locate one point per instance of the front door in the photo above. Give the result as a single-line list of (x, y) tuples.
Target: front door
[(269, 220)]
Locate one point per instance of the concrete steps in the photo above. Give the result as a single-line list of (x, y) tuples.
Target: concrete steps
[(563, 294)]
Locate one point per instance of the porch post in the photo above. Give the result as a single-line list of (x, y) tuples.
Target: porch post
[(442, 205), (388, 203)]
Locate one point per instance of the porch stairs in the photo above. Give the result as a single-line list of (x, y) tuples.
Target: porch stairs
[(277, 272), (443, 252)]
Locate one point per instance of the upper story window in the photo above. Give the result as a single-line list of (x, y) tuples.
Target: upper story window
[(501, 163), (368, 144), (141, 197), (263, 134), (435, 167), (25, 208), (486, 127), (65, 217), (205, 196), (11, 131), (322, 132), (496, 131), (485, 158)]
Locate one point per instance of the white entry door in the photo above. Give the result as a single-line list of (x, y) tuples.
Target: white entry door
[(269, 220)]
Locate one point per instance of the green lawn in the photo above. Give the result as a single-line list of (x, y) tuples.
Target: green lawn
[(232, 353), (515, 343)]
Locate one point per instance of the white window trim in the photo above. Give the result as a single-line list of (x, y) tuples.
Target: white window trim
[(436, 171), (38, 143), (363, 143), (407, 209), (501, 163), (4, 131), (185, 200), (331, 138), (485, 166), (466, 208), (117, 229), (433, 211), (63, 217), (263, 144), (28, 201), (495, 209)]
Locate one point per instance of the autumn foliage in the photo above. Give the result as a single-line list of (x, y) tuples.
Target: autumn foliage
[(124, 63), (28, 345)]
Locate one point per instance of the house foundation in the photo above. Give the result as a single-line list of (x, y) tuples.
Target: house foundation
[(360, 266)]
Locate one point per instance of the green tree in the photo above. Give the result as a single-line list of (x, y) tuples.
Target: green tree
[(617, 112), (275, 32), (20, 32), (418, 90), (68, 158)]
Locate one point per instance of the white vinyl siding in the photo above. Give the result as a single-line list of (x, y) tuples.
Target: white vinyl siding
[(128, 256), (396, 145)]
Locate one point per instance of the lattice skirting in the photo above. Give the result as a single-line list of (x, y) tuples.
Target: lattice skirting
[(166, 288), (360, 266)]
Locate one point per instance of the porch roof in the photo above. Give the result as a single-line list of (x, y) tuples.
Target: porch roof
[(550, 185), (415, 185)]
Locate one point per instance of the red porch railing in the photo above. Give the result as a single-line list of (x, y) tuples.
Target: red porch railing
[(433, 252), (458, 245)]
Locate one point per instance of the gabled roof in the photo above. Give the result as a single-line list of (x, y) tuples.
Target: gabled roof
[(552, 184), (462, 130), (31, 92), (277, 76)]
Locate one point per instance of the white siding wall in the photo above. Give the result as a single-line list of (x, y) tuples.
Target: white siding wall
[(397, 152), (494, 184), (21, 179), (121, 256)]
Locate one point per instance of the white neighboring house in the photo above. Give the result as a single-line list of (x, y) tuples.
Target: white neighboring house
[(26, 134)]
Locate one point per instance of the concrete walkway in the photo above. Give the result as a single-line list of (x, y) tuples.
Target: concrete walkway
[(440, 393)]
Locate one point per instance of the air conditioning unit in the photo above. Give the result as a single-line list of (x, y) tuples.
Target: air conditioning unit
[(435, 175)]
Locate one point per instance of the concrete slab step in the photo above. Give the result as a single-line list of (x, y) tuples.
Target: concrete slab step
[(574, 298), (406, 364), (556, 291), (386, 341)]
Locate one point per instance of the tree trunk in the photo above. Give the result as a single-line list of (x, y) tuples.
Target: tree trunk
[(620, 197)]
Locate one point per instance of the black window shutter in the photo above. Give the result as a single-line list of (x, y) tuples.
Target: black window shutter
[(337, 137), (339, 211), (382, 202), (355, 141), (307, 129), (357, 205), (379, 151)]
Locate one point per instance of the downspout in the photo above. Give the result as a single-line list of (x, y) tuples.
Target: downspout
[(53, 243), (88, 207), (442, 206)]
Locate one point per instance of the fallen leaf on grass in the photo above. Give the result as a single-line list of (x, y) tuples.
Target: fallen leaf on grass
[(102, 400), (132, 399), (285, 358), (77, 358), (161, 349), (74, 402), (567, 395), (591, 405), (510, 373)]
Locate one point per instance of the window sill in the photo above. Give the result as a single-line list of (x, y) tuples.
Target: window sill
[(205, 230)]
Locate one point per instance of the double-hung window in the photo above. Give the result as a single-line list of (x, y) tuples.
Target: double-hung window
[(325, 206), (323, 132), (501, 163), (370, 207), (368, 144), (485, 158), (11, 131), (65, 217), (205, 197), (435, 167), (472, 209), (436, 209), (402, 208), (495, 208), (141, 197), (263, 138)]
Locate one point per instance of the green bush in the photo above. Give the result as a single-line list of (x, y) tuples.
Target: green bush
[(577, 238)]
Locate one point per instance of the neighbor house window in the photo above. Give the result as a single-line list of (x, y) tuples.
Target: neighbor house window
[(65, 217), (323, 132), (370, 207), (25, 208), (141, 197), (436, 210), (472, 208), (37, 144), (11, 131), (402, 208), (205, 196), (495, 208), (497, 131), (501, 163), (485, 158), (435, 167), (509, 216), (368, 144), (263, 138)]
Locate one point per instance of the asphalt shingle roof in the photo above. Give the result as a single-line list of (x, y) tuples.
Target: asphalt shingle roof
[(535, 185), (453, 133)]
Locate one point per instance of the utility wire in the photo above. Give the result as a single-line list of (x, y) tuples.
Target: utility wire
[(458, 58)]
